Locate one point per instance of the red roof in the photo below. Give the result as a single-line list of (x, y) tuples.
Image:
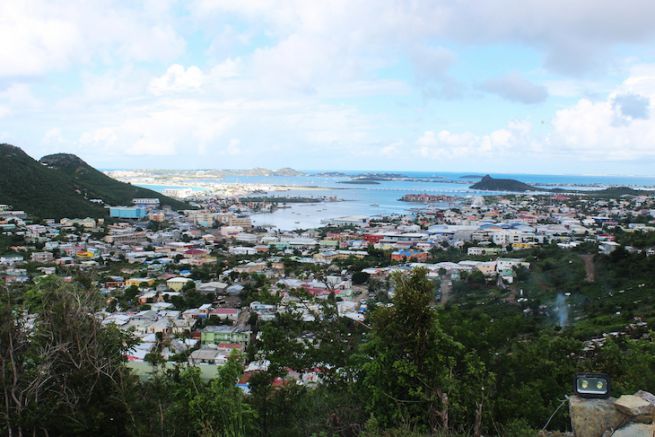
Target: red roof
[(166, 276), (229, 346), (315, 291), (224, 311)]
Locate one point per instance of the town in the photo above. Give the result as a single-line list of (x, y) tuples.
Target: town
[(194, 285)]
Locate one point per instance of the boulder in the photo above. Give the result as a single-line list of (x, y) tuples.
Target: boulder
[(592, 417), (648, 397), (634, 406), (635, 430)]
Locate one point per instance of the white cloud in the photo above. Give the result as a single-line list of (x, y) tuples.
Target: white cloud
[(227, 69), (446, 144), (595, 130), (228, 41), (177, 79), (449, 145), (618, 127), (101, 140), (606, 130), (516, 88), (572, 42), (391, 150), (215, 132), (20, 96), (53, 136), (180, 79), (152, 147), (109, 88), (34, 42), (233, 148), (42, 36), (307, 79), (575, 88)]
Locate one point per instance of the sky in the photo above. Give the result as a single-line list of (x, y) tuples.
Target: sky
[(504, 86)]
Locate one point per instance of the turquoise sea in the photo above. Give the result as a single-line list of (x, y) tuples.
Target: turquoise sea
[(383, 198)]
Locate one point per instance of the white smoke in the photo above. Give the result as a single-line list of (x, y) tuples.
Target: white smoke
[(562, 310)]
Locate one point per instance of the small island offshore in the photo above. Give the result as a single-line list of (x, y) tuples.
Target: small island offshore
[(487, 183)]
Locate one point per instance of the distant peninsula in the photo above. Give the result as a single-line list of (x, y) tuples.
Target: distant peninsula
[(262, 172), (381, 176), (360, 181), (487, 183), (613, 192), (330, 174), (471, 176), (204, 173)]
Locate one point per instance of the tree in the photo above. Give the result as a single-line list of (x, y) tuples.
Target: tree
[(178, 402), (219, 407), (360, 278), (63, 376), (414, 372)]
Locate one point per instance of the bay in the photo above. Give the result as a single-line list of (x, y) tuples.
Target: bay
[(383, 198)]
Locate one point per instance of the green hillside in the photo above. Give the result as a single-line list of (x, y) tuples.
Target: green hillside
[(615, 192), (492, 184), (27, 185), (97, 185), (61, 186)]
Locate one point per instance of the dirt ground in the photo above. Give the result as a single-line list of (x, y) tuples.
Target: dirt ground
[(589, 267)]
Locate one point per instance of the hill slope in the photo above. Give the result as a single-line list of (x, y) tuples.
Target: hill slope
[(29, 186), (61, 186), (97, 185), (615, 192), (491, 184)]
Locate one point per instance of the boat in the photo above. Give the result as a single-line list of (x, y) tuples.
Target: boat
[(377, 205)]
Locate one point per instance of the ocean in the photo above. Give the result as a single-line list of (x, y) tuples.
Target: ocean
[(383, 198)]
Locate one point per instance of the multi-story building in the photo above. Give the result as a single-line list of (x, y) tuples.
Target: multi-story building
[(42, 257), (224, 334), (127, 212)]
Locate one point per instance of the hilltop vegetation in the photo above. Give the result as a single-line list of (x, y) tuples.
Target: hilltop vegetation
[(62, 185), (96, 184), (410, 369), (29, 186), (488, 183), (614, 192)]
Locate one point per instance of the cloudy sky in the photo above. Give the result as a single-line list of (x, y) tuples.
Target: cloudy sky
[(534, 86)]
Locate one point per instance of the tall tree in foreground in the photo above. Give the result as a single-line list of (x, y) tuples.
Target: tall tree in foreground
[(61, 369), (415, 373)]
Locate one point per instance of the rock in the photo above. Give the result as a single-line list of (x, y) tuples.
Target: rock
[(635, 430), (592, 417), (648, 397), (634, 406)]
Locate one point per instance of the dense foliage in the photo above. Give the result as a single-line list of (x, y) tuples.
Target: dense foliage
[(63, 187), (411, 368), (29, 186), (97, 185)]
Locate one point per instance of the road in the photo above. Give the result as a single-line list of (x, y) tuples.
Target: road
[(446, 288), (589, 267)]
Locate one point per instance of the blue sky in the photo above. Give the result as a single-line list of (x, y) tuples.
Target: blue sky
[(558, 87)]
